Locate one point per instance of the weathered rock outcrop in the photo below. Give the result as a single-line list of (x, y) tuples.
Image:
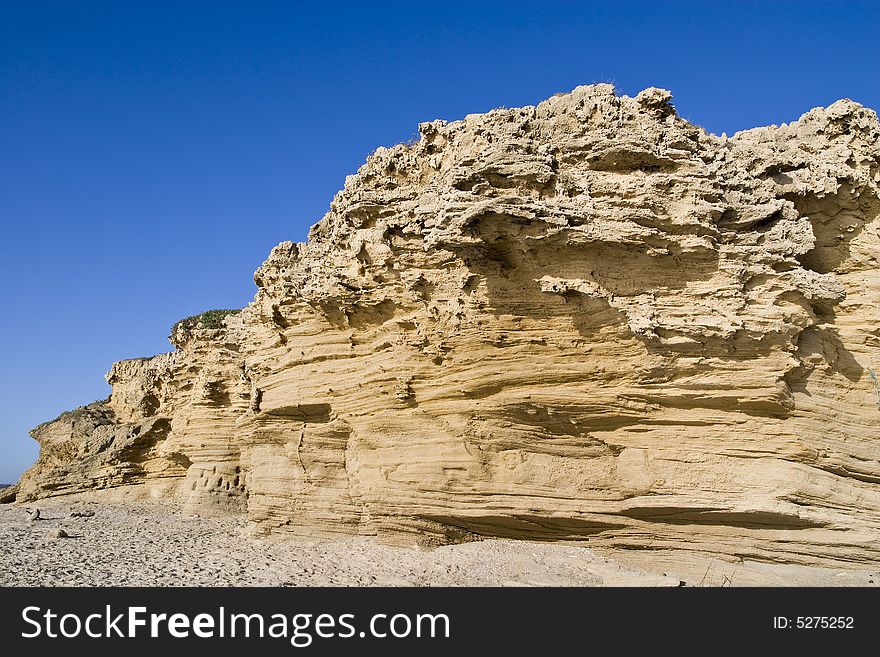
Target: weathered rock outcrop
[(8, 493), (588, 318)]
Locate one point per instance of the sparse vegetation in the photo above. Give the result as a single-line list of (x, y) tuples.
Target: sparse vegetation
[(210, 319), (876, 385)]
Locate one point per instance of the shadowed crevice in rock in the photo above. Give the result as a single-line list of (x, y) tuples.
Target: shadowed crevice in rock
[(524, 526), (741, 519)]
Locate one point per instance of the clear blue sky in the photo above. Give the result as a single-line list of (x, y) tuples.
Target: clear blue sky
[(152, 153)]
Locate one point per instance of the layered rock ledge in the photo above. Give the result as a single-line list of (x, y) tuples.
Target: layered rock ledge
[(587, 319)]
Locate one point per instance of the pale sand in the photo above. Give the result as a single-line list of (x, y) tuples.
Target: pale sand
[(151, 544)]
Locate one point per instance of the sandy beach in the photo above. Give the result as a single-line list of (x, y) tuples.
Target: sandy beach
[(151, 544)]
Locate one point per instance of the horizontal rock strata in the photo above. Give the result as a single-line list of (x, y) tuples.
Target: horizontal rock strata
[(588, 319)]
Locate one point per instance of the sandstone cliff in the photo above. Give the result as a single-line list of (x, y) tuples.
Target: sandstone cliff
[(584, 319)]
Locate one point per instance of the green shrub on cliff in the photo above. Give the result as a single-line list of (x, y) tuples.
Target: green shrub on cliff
[(210, 319)]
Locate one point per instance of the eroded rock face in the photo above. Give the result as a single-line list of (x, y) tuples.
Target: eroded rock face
[(587, 318)]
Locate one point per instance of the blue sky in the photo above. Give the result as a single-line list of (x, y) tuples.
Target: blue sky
[(152, 153)]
